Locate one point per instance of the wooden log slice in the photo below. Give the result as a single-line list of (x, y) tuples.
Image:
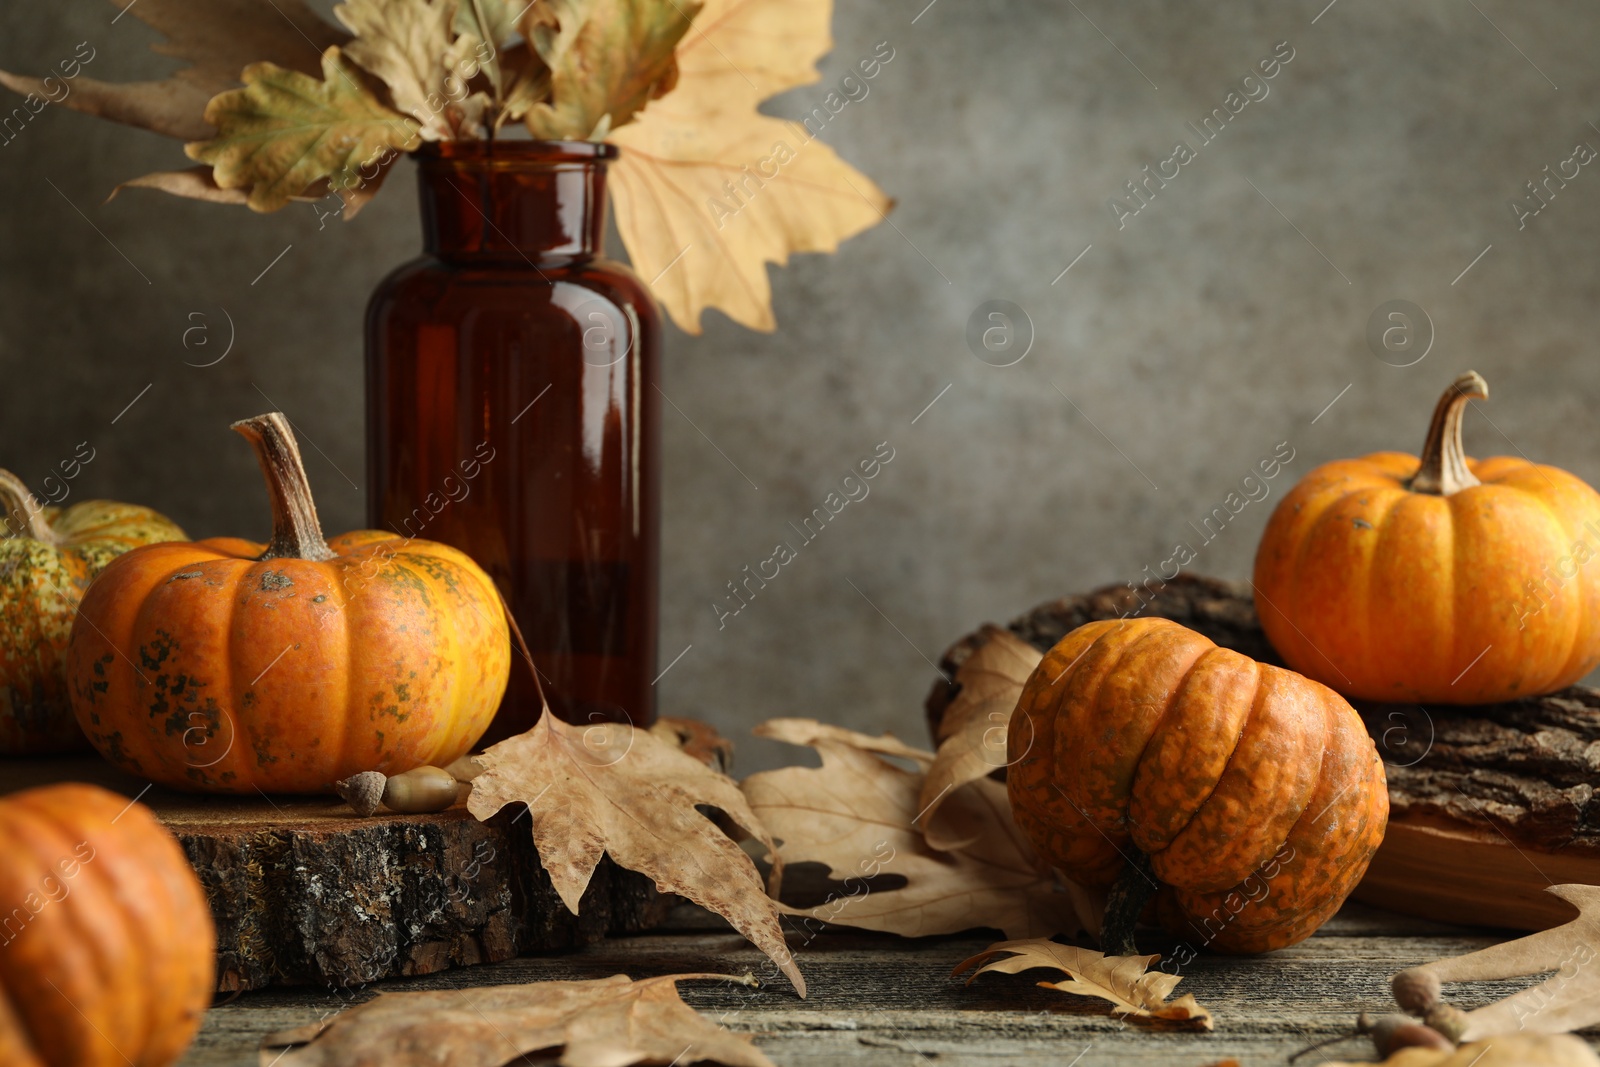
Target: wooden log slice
[(1488, 805), (305, 892)]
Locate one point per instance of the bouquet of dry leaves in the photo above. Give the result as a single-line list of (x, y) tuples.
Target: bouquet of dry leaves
[(327, 109)]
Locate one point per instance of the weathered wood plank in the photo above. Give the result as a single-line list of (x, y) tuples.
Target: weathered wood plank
[(878, 999)]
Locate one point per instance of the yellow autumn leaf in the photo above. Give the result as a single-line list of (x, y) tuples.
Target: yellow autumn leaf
[(285, 131), (708, 191)]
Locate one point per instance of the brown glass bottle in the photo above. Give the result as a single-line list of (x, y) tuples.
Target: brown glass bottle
[(512, 411)]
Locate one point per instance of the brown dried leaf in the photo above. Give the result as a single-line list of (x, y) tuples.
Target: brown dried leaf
[(856, 814), (1568, 1000), (679, 152), (1126, 981), (607, 59), (219, 38), (611, 789), (1514, 1050), (972, 734), (195, 183), (605, 1022), (408, 44)]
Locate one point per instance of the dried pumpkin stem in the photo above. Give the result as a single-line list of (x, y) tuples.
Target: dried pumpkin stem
[(296, 533), (1444, 462), (15, 499), (1125, 902)]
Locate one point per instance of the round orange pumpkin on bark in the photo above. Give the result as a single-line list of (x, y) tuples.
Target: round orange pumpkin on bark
[(1444, 580), (107, 951), (48, 557), (1145, 759), (230, 666)]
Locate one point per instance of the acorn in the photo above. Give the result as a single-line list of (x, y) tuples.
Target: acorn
[(1416, 990), (1391, 1033), (417, 791)]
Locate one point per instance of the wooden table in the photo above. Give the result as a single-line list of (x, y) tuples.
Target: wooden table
[(886, 1000)]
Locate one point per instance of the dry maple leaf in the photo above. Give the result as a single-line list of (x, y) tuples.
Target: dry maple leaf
[(699, 246), (218, 38), (607, 59), (285, 131), (1515, 1050), (1126, 981), (606, 1022), (856, 814), (611, 789), (1567, 1000), (972, 733)]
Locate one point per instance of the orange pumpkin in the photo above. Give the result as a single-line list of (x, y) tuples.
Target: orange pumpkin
[(48, 556), (1144, 758), (230, 666), (107, 951), (1444, 580)]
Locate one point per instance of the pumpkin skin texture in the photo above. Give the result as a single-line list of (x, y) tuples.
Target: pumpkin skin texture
[(1475, 591), (107, 950), (1251, 796), (44, 570), (230, 666)]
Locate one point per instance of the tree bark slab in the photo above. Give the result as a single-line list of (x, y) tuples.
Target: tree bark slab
[(305, 892), (1489, 804)]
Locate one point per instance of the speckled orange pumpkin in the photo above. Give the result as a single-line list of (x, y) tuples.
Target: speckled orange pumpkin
[(107, 951), (1144, 758), (230, 666), (1444, 580), (48, 557)]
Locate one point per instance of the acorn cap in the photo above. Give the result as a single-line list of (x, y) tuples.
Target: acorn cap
[(1416, 990), (363, 792)]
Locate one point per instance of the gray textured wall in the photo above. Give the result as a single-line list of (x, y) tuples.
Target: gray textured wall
[(1190, 342)]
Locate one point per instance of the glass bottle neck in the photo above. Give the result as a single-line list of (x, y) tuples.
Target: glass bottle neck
[(522, 201)]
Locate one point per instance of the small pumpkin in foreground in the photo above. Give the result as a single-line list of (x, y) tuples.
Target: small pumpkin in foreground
[(230, 666), (1145, 759), (107, 950), (48, 557), (1444, 580)]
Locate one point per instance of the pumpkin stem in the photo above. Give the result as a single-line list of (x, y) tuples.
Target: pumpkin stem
[(296, 533), (15, 499), (1125, 903), (1444, 464)]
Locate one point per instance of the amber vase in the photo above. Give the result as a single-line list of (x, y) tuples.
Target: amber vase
[(513, 412)]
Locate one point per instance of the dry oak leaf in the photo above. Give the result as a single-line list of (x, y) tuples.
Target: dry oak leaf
[(699, 246), (218, 38), (1567, 1000), (1126, 981), (408, 43), (972, 733), (1513, 1050), (605, 1022), (613, 789), (493, 22), (285, 131), (856, 814), (607, 59)]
